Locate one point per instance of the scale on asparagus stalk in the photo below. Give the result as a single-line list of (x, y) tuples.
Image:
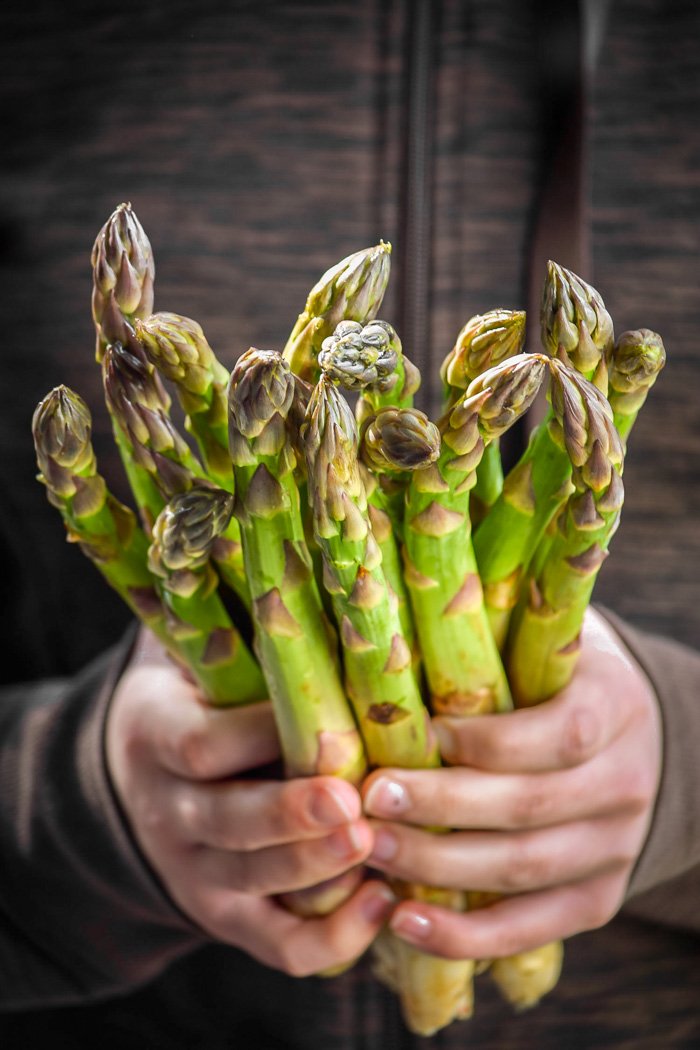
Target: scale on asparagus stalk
[(381, 562)]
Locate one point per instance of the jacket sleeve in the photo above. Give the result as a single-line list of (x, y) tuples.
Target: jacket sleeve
[(665, 885), (81, 915)]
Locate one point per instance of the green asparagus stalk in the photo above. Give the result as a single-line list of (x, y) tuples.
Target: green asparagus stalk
[(178, 348), (577, 329), (379, 680), (637, 359), (395, 442), (183, 536), (484, 341), (123, 273), (108, 534), (544, 639), (293, 638), (105, 529), (158, 461), (461, 660), (353, 289), (543, 642)]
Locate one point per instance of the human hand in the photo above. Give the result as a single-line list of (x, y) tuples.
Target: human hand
[(225, 844), (554, 801)]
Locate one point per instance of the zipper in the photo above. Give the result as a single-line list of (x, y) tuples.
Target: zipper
[(416, 197)]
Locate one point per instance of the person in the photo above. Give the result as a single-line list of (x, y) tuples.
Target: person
[(144, 838)]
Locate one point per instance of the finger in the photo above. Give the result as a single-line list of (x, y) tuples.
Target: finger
[(252, 815), (190, 738), (459, 797), (283, 869), (302, 947), (563, 732), (513, 925), (509, 862)]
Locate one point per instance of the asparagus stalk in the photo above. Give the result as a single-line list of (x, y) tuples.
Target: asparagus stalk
[(543, 643), (379, 680), (158, 461), (461, 660), (577, 329), (544, 639), (109, 535), (484, 341), (353, 289), (637, 359), (395, 442), (123, 273), (105, 529), (293, 639), (183, 536), (178, 348)]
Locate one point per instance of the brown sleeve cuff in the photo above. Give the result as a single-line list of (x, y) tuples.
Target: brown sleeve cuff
[(81, 914), (672, 848)]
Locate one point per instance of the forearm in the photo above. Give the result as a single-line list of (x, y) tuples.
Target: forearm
[(81, 915)]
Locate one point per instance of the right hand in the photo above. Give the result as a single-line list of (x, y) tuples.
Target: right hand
[(225, 846)]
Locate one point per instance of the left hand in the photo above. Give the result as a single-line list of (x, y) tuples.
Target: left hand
[(551, 806)]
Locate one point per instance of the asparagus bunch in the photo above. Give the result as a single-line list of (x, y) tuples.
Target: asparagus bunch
[(381, 501)]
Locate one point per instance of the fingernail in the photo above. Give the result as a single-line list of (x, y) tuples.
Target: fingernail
[(411, 925), (385, 845), (330, 807), (386, 798), (445, 736), (378, 905), (345, 843)]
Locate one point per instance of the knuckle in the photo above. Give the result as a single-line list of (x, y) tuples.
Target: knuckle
[(581, 733), (193, 750), (526, 869), (604, 903), (530, 808)]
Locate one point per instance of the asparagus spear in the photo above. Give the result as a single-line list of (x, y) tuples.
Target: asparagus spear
[(104, 528), (353, 289), (369, 359), (484, 341), (123, 273), (543, 642), (178, 348), (317, 730), (637, 359), (109, 535), (574, 320), (461, 660), (158, 461), (395, 442), (183, 536), (577, 329), (379, 680)]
